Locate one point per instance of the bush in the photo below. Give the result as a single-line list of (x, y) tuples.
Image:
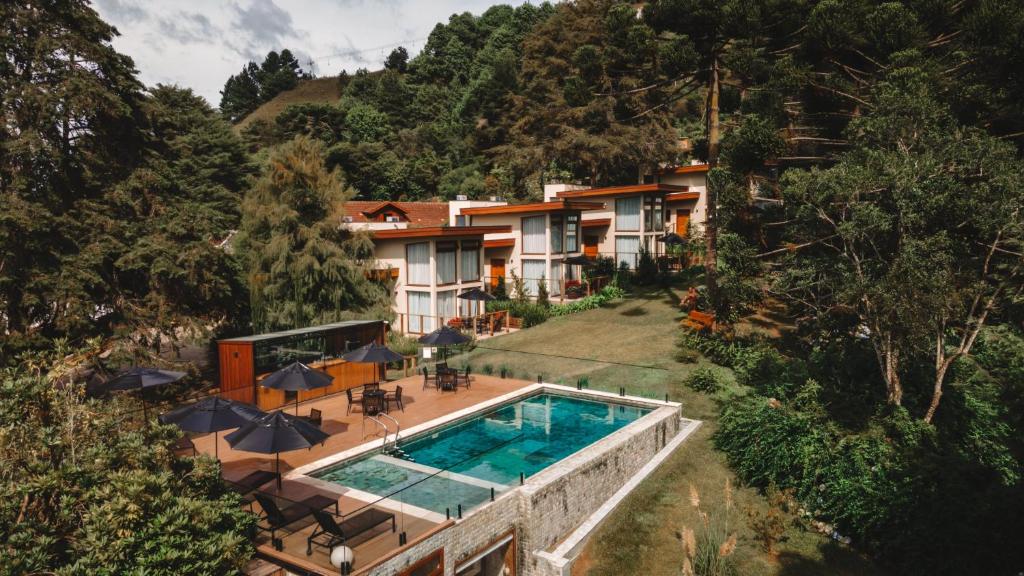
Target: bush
[(542, 292), (704, 379), (500, 293), (607, 294), (488, 369), (687, 355)]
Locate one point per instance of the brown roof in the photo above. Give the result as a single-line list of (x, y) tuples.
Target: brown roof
[(418, 214), (500, 243), (678, 196), (685, 169), (597, 222), (621, 190), (439, 231), (552, 206)]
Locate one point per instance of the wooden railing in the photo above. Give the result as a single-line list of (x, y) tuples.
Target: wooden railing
[(489, 323)]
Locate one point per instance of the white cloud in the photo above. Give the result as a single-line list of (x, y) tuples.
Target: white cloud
[(199, 43)]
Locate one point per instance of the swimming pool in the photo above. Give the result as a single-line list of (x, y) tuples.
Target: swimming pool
[(460, 464)]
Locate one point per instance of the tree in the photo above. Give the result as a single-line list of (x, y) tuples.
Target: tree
[(917, 231), (259, 83), (71, 107), (302, 267), (83, 491), (398, 60)]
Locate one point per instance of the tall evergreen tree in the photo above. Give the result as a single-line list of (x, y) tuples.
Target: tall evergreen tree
[(258, 83), (302, 267), (70, 106)]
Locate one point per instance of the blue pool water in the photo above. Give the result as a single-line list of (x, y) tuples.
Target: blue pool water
[(460, 463)]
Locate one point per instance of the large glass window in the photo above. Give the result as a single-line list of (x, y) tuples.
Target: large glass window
[(470, 261), (533, 271), (654, 214), (446, 305), (627, 249), (556, 233), (572, 232), (556, 278), (534, 235), (417, 256), (627, 214), (420, 320), (446, 256)]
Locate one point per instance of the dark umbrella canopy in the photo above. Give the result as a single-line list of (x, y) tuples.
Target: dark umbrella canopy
[(138, 378), (476, 294), (373, 353), (672, 239), (297, 376), (444, 336), (212, 414), (275, 433), (578, 260)]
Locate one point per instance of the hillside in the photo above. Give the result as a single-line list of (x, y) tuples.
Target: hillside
[(317, 90)]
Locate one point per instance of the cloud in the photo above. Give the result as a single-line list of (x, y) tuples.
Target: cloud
[(187, 28), (122, 11), (262, 26)]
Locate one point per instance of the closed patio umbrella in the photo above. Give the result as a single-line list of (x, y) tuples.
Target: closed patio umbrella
[(296, 377), (275, 433), (213, 414), (142, 378), (672, 239), (444, 337)]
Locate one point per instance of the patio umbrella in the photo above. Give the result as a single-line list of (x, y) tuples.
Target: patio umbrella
[(275, 433), (297, 376), (373, 353), (579, 260), (476, 295), (672, 239), (212, 414), (444, 337), (142, 378)]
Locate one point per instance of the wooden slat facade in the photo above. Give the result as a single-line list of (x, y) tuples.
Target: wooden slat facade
[(239, 381)]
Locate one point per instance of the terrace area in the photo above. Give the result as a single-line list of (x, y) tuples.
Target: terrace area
[(348, 431)]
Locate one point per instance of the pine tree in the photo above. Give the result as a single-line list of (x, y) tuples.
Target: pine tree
[(302, 267)]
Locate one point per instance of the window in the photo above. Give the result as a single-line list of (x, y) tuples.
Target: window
[(572, 232), (470, 261), (498, 557), (627, 249), (468, 308), (556, 278), (418, 257), (627, 214), (556, 233), (419, 313), (534, 235), (460, 220), (446, 256), (533, 270), (654, 214), (432, 565), (446, 306)]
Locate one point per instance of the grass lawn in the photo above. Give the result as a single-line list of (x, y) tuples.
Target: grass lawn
[(631, 343)]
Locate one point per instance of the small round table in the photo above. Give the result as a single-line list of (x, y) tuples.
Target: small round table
[(374, 402)]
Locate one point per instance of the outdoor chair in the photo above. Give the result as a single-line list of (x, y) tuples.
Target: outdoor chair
[(337, 534), (353, 400), (395, 397), (315, 417), (278, 518), (464, 379), (428, 379)]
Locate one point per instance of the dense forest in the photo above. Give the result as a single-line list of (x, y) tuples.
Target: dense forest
[(867, 176)]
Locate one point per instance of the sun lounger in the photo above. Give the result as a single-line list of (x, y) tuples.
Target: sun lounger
[(329, 533), (277, 518)]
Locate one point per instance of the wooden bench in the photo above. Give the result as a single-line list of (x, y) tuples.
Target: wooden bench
[(699, 321)]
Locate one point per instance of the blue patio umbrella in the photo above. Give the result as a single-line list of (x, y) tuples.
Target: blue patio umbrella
[(275, 433), (212, 414), (295, 377), (142, 378)]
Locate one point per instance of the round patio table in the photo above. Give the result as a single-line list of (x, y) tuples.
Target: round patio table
[(373, 402)]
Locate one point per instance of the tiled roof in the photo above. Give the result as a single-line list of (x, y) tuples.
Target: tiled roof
[(550, 206), (419, 214), (621, 190)]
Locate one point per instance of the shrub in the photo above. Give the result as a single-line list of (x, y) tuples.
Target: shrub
[(542, 292), (488, 369), (687, 355), (500, 293), (646, 267), (704, 379)]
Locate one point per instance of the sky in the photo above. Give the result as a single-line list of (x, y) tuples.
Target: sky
[(200, 43)]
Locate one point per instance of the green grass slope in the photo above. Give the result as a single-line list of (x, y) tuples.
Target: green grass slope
[(319, 90)]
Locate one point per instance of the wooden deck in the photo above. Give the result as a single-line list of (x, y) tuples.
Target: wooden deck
[(347, 431)]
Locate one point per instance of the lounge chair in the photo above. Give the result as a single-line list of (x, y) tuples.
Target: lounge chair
[(337, 534), (353, 400), (395, 397), (464, 379), (278, 518)]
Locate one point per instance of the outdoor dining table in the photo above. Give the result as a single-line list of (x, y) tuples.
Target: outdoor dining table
[(447, 378), (374, 401)]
